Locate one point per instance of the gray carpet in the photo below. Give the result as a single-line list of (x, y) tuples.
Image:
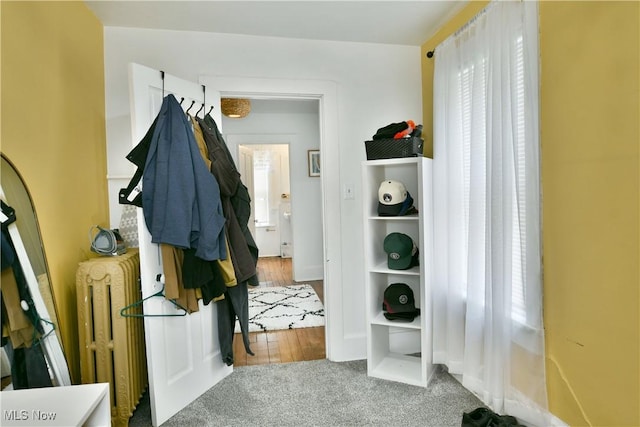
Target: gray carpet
[(320, 393)]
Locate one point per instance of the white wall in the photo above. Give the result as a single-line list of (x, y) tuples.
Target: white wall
[(376, 85), (301, 131)]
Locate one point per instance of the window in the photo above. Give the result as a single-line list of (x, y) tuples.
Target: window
[(473, 100), (262, 167)]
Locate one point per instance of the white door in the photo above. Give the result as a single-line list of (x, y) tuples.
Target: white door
[(268, 165), (183, 353), (246, 172)]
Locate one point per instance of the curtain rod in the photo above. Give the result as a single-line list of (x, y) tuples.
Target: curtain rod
[(464, 27)]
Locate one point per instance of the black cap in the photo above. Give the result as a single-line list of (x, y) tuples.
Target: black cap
[(399, 303)]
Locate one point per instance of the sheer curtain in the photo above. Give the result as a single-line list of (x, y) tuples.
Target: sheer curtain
[(487, 271)]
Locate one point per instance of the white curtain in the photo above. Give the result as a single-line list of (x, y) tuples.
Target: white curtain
[(487, 270)]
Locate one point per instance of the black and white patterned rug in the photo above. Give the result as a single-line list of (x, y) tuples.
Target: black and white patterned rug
[(284, 307)]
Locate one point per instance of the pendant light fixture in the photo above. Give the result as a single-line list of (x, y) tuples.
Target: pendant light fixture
[(235, 108)]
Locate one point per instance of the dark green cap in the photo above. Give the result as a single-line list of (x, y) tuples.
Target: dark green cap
[(401, 252)]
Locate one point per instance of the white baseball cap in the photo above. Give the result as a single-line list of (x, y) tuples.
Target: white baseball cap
[(394, 199), (391, 192)]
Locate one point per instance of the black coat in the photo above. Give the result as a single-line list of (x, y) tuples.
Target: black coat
[(236, 203)]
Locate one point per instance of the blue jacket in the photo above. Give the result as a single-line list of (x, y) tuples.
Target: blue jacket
[(180, 197)]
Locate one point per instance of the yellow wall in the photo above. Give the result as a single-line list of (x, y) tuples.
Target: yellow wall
[(590, 139), (53, 131)]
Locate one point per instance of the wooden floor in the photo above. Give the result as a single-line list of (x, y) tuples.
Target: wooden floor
[(290, 345)]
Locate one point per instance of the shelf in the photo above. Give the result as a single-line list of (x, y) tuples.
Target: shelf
[(383, 268), (400, 368), (383, 321), (391, 162), (414, 217), (391, 344)]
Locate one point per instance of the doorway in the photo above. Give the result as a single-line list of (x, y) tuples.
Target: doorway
[(290, 215), (339, 345), (271, 145)]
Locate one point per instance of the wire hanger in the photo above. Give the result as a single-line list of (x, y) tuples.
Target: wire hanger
[(124, 311), (37, 340)]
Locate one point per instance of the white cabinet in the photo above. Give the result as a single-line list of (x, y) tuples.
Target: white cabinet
[(76, 405), (396, 350)]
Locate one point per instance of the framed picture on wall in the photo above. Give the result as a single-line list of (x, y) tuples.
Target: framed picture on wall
[(314, 162)]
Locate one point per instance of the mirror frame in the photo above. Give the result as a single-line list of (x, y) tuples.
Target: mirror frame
[(55, 356)]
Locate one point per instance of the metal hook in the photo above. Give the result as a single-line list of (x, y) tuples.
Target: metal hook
[(190, 106)]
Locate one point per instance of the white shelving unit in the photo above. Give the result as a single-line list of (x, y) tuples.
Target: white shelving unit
[(398, 351)]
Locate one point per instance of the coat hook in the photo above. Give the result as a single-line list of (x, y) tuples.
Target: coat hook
[(210, 110), (200, 109), (192, 102), (181, 99)]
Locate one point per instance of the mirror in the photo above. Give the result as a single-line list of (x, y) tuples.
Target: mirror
[(29, 359)]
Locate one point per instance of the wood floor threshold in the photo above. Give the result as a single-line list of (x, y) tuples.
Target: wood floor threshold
[(281, 346)]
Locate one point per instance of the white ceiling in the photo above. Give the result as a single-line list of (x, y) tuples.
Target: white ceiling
[(389, 22)]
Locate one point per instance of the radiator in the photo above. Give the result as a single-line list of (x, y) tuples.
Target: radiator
[(112, 347)]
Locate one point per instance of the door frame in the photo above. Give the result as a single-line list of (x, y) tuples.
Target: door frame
[(326, 93)]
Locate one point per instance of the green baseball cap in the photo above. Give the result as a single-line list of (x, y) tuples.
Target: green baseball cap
[(402, 253)]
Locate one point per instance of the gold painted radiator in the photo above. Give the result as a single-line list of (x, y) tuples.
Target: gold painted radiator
[(112, 347)]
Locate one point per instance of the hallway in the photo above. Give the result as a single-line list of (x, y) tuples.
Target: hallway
[(282, 346)]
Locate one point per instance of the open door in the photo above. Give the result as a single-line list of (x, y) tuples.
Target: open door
[(183, 353), (266, 165)]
